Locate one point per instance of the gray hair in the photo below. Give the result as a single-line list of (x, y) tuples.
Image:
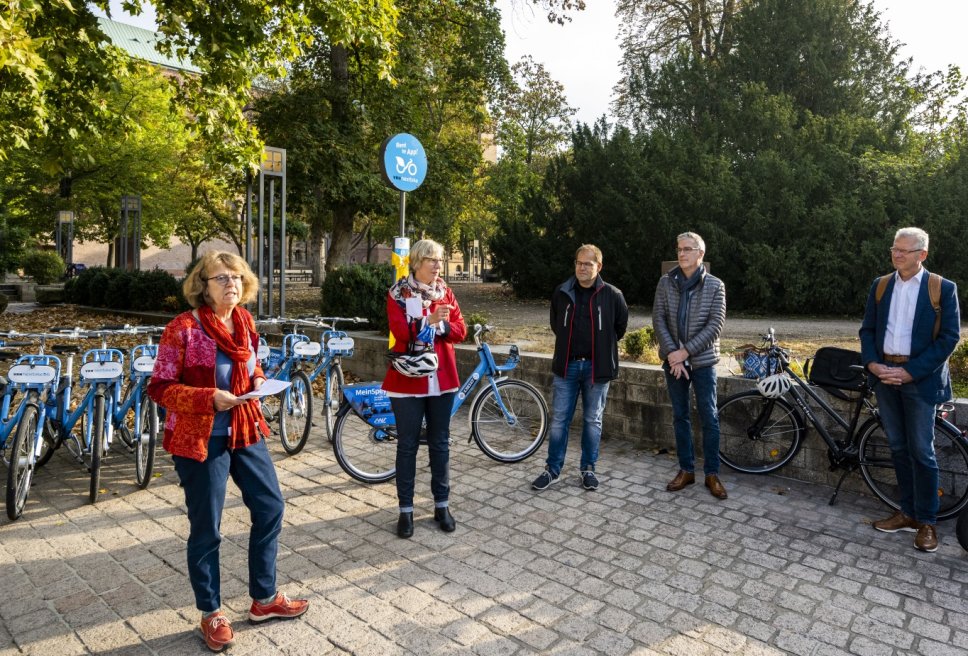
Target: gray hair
[(424, 249), (693, 236), (919, 236), (591, 248)]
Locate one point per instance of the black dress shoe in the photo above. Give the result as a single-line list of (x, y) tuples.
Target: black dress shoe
[(445, 519), (405, 525)]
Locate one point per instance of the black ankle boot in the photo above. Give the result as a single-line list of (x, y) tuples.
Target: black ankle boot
[(445, 519), (405, 525)]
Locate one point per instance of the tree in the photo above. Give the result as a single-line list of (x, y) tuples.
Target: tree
[(533, 110), (334, 111), (55, 68)]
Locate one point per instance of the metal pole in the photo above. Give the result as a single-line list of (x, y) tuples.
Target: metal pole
[(70, 242), (248, 220), (122, 258), (283, 259), (403, 213), (272, 240), (260, 241), (136, 243)]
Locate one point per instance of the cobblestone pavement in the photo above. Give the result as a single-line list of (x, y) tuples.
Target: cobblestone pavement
[(628, 569)]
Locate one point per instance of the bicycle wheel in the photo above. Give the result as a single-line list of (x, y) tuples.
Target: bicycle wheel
[(296, 413), (50, 444), (271, 408), (20, 473), (96, 446), (758, 435), (961, 529), (145, 440), (333, 398), (511, 424), (877, 467), (366, 453)]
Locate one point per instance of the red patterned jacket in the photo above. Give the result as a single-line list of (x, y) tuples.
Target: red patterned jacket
[(183, 383), (454, 333)]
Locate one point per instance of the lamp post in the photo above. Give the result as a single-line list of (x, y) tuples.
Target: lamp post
[(272, 167), (129, 243), (64, 236)]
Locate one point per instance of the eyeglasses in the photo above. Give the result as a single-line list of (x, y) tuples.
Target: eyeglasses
[(225, 279), (585, 265), (434, 260), (686, 249), (902, 251)]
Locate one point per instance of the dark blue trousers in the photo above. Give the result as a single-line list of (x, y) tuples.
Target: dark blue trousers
[(205, 483), (410, 411)]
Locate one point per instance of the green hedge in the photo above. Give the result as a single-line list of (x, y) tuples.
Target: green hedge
[(359, 290), (3, 303), (118, 289), (50, 295), (44, 267)]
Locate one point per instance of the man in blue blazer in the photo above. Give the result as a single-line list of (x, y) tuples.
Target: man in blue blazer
[(909, 356)]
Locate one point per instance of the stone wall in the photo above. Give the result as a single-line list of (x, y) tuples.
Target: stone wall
[(638, 410)]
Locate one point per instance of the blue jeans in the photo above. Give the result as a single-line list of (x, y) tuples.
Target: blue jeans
[(578, 379), (204, 483), (703, 381), (908, 421), (410, 412)]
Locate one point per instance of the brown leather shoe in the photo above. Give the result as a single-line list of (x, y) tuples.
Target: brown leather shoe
[(896, 522), (682, 479), (926, 539), (716, 486)]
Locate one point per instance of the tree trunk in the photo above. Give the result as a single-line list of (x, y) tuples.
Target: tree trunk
[(110, 261), (314, 251), (341, 247)]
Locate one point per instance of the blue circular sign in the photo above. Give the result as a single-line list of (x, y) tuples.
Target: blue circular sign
[(404, 162)]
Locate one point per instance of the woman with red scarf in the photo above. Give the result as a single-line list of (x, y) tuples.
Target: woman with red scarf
[(206, 361)]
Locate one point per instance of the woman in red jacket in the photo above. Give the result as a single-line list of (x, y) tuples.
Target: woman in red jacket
[(424, 315), (206, 361)]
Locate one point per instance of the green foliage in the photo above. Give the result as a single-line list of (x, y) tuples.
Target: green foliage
[(958, 362), (358, 290), (43, 267), (125, 290), (149, 290), (637, 342), (4, 301), (50, 295), (472, 318), (13, 246)]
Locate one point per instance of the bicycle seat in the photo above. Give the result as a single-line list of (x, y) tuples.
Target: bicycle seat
[(65, 348)]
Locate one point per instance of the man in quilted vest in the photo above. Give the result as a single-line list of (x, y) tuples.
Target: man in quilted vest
[(688, 316), (903, 348)]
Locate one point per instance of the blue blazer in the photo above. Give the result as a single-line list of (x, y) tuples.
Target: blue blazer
[(928, 365)]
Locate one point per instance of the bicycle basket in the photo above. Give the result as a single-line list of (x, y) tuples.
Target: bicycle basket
[(831, 367), (756, 362)]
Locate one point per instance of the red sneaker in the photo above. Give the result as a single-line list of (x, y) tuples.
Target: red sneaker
[(217, 631), (282, 606)]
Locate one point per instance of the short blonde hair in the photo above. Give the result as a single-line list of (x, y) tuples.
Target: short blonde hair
[(591, 248), (196, 281), (423, 249)]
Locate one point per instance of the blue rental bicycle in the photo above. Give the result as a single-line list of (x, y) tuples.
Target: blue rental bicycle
[(136, 417), (102, 373), (30, 377), (508, 418), (301, 361)]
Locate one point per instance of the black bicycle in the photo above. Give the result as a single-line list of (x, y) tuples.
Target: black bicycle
[(760, 435)]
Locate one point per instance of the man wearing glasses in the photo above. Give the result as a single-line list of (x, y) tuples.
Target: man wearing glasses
[(588, 317), (905, 342), (688, 316)]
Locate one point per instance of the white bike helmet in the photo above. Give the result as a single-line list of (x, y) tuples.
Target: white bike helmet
[(414, 365), (775, 386)]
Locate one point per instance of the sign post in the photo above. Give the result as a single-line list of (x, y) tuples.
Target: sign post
[(403, 163)]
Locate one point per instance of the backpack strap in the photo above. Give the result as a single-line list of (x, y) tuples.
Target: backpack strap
[(934, 293), (881, 287)]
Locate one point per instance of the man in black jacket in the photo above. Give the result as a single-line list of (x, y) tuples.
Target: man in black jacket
[(588, 317)]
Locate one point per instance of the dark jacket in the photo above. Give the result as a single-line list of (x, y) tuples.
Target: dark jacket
[(707, 315), (609, 315), (928, 365)]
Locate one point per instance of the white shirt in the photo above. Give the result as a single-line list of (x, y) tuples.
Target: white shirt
[(900, 319)]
